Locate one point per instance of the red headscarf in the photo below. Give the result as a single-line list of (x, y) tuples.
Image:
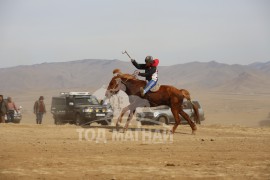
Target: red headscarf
[(155, 63)]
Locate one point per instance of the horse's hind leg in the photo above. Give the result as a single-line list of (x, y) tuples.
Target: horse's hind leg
[(176, 116), (130, 116), (191, 123), (124, 110)]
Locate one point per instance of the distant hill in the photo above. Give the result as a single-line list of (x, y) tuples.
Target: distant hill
[(215, 76), (93, 73), (265, 67)]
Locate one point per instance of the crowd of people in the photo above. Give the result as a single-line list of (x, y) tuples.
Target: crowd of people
[(8, 109)]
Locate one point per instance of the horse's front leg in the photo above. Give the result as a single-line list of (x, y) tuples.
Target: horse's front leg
[(124, 110), (130, 116)]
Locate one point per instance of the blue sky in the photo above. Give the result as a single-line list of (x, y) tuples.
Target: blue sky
[(175, 31)]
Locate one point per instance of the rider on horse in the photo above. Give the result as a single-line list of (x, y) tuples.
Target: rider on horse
[(151, 73)]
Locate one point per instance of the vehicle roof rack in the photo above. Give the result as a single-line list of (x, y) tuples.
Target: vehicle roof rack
[(74, 93)]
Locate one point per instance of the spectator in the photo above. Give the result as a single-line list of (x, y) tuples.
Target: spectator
[(3, 109), (11, 108), (39, 109)]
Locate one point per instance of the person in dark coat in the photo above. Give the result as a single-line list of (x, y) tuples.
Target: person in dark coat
[(39, 109)]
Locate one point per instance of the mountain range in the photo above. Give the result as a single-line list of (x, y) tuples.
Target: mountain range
[(94, 73)]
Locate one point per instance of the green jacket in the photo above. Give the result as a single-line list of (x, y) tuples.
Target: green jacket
[(36, 107)]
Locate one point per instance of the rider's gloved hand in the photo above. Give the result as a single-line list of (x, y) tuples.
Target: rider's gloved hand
[(136, 73)]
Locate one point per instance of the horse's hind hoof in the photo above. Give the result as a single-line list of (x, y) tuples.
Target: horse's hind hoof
[(194, 132)]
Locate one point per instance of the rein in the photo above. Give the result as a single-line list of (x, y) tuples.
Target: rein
[(125, 83), (113, 90)]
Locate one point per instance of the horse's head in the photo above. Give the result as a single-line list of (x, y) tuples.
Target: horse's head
[(114, 87), (116, 83)]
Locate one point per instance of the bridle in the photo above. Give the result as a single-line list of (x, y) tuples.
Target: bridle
[(114, 90)]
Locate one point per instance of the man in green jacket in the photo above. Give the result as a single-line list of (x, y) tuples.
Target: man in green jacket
[(39, 109)]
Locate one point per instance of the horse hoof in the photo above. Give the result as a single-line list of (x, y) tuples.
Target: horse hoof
[(194, 131)]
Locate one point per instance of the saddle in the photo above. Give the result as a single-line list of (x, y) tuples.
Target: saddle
[(155, 88)]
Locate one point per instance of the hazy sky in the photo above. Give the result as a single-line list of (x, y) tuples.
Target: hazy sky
[(175, 31)]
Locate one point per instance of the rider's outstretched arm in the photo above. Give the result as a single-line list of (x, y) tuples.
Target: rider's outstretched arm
[(138, 66)]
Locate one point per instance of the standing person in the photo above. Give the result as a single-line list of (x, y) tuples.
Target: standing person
[(11, 108), (39, 109), (151, 73), (3, 109)]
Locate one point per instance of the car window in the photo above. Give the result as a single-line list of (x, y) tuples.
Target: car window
[(86, 101), (187, 105), (196, 103), (59, 101), (93, 100)]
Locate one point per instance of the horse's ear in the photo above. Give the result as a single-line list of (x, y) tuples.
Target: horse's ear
[(117, 72)]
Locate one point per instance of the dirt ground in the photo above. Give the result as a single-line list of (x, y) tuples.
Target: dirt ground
[(232, 143), (30, 151)]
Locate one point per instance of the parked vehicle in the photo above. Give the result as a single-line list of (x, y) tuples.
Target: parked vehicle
[(80, 108), (163, 114)]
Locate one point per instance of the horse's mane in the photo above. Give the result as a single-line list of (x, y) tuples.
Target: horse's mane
[(117, 72)]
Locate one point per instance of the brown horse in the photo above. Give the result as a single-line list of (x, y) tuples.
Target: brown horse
[(166, 95)]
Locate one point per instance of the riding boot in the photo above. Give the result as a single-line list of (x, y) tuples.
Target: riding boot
[(142, 91)]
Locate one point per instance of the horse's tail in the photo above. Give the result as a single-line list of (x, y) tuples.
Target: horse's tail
[(186, 95), (196, 113)]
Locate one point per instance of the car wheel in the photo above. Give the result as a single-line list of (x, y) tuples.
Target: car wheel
[(142, 122), (16, 121), (57, 121), (106, 122), (78, 120), (163, 119)]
